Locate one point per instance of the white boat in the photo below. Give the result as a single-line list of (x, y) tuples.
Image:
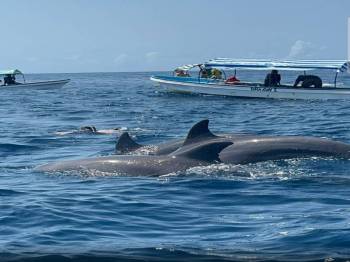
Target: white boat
[(10, 81), (311, 86)]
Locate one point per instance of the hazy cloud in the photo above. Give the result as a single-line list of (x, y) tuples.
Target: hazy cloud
[(151, 56), (306, 50), (300, 49), (121, 59)]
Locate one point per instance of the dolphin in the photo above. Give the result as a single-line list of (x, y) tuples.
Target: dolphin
[(190, 155), (199, 132), (258, 149), (248, 148)]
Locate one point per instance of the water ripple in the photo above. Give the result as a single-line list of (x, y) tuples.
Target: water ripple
[(277, 210)]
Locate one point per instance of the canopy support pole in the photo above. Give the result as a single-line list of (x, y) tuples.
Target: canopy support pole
[(335, 79), (224, 74), (199, 74)]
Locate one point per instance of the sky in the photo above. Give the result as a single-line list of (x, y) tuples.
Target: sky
[(40, 36)]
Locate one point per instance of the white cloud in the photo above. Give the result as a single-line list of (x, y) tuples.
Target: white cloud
[(307, 50), (300, 49)]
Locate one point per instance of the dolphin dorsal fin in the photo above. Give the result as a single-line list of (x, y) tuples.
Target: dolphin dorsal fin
[(126, 144), (199, 131), (208, 152)]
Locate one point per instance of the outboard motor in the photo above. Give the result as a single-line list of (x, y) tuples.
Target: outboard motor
[(308, 81)]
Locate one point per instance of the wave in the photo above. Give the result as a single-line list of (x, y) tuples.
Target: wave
[(9, 192), (172, 254), (16, 147), (7, 149)]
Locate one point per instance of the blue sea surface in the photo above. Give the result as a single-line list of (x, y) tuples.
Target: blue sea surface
[(296, 209)]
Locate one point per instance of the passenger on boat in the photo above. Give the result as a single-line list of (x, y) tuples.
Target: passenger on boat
[(180, 72), (273, 79), (232, 80), (205, 73), (216, 73), (9, 80), (308, 81)]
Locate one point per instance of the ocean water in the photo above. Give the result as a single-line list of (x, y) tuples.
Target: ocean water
[(295, 209)]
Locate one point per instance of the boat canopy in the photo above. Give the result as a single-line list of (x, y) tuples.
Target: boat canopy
[(187, 67), (11, 72), (296, 65)]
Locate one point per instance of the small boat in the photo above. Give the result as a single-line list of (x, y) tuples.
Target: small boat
[(10, 81), (212, 79)]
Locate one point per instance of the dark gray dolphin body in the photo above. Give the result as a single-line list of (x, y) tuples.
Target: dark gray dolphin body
[(252, 148), (198, 154), (201, 148), (257, 149)]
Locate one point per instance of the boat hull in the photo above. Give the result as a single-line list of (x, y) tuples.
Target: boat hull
[(253, 90), (41, 85)]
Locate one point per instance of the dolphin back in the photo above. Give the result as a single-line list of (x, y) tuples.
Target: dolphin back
[(206, 151), (257, 149)]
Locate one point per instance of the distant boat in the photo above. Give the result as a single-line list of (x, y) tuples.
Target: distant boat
[(10, 81), (212, 79)]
